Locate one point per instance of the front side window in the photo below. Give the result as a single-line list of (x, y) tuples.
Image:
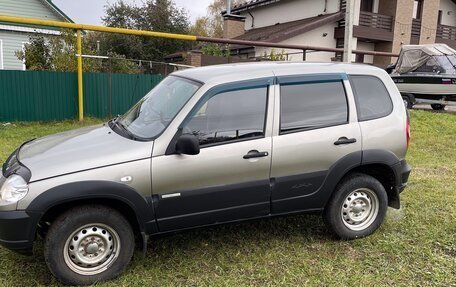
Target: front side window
[(230, 116), (152, 114), (306, 106), (372, 98)]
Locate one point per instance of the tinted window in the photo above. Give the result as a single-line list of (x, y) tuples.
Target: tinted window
[(312, 105), (230, 116), (372, 98)]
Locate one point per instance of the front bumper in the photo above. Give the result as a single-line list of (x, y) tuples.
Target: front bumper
[(17, 230)]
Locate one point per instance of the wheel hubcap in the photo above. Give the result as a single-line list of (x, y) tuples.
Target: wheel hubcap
[(91, 249), (360, 209)]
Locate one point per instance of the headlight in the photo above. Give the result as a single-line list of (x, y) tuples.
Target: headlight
[(14, 189)]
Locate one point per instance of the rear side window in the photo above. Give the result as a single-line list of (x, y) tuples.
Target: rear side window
[(372, 98), (306, 106)]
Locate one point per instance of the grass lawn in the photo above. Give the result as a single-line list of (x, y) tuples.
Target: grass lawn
[(416, 246)]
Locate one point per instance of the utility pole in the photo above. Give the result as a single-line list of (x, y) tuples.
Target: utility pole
[(348, 38), (228, 7)]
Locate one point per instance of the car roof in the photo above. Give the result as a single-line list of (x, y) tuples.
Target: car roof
[(244, 71)]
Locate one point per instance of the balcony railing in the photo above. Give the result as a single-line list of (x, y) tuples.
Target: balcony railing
[(416, 27), (378, 21), (446, 32)]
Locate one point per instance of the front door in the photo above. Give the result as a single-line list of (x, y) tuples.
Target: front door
[(229, 179)]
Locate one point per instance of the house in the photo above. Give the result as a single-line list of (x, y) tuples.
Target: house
[(14, 36), (379, 25)]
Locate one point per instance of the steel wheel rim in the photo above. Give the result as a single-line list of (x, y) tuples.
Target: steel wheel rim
[(359, 209), (91, 249)]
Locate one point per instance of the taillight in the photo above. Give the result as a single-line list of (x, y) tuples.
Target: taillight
[(407, 131)]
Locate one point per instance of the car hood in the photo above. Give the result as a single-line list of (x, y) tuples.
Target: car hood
[(78, 150)]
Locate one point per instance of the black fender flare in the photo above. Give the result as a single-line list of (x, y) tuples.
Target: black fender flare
[(318, 199), (385, 157), (84, 190), (389, 159), (359, 159)]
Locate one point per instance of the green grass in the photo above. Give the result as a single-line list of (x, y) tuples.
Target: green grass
[(416, 246)]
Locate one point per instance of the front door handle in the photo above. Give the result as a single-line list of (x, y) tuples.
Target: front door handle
[(344, 140), (254, 154)]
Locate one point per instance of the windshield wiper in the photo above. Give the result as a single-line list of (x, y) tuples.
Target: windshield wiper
[(116, 122)]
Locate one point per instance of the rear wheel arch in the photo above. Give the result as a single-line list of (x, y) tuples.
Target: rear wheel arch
[(381, 172), (383, 165)]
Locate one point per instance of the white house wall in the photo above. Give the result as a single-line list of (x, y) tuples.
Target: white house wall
[(312, 38), (286, 11), (369, 59), (448, 7), (28, 8), (12, 42)]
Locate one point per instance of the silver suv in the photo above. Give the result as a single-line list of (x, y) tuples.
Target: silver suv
[(209, 146)]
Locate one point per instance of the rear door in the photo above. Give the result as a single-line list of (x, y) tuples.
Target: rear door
[(316, 128)]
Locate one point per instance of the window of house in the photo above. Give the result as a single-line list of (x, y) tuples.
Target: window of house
[(359, 58), (230, 116), (372, 98), (24, 67), (312, 105), (417, 9), (367, 5)]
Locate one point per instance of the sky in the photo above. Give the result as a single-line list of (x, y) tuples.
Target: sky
[(91, 11)]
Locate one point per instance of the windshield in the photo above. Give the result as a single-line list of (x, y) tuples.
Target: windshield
[(152, 114), (439, 64)]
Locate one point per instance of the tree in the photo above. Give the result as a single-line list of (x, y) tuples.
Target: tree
[(58, 53), (152, 15), (200, 27), (212, 24)]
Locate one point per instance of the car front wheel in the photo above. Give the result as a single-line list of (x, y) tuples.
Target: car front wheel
[(88, 244), (357, 207)]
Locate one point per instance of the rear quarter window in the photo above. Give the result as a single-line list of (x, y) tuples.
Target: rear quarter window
[(372, 98)]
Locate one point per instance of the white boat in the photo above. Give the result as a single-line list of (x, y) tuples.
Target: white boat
[(426, 74)]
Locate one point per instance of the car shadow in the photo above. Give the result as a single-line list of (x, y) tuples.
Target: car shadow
[(204, 244)]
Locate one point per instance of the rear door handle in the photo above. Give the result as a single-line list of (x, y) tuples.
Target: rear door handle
[(344, 140), (254, 154)]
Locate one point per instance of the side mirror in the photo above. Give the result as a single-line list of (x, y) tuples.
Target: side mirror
[(187, 144)]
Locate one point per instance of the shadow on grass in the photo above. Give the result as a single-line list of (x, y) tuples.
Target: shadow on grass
[(185, 249)]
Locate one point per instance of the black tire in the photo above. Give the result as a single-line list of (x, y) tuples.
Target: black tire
[(438, 107), (80, 219), (359, 188), (407, 102)]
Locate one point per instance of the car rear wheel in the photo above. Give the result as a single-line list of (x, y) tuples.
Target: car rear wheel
[(357, 207), (88, 244)]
